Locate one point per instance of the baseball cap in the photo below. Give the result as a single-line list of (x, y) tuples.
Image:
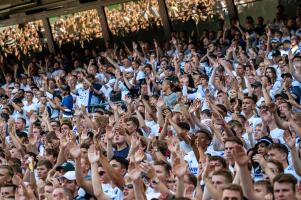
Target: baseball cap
[(70, 176), (275, 40), (286, 41), (256, 84), (67, 166), (264, 140), (282, 95), (287, 75), (275, 52)]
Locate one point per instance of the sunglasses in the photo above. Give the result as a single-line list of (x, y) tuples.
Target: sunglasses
[(101, 173), (128, 186)]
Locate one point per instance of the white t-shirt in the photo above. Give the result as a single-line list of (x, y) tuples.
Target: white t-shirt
[(113, 193)]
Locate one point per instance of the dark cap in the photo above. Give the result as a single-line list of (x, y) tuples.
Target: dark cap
[(256, 84), (286, 75), (287, 41), (282, 95), (170, 68), (275, 40), (264, 140), (275, 53), (67, 166)]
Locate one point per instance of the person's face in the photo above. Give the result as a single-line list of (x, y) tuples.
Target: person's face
[(276, 155), (260, 190), (161, 173), (117, 167), (283, 108), (69, 184), (65, 128), (218, 181), (118, 138), (216, 164), (144, 89), (128, 191), (261, 149), (7, 192), (50, 157), (19, 125), (266, 115), (48, 189), (269, 73), (229, 146), (58, 194), (247, 106), (4, 176), (231, 195), (203, 140), (283, 191), (126, 63), (42, 172), (103, 176), (273, 168)]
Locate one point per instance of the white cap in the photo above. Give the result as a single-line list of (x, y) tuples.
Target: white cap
[(70, 175)]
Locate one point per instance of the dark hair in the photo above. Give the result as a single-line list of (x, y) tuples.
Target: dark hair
[(45, 163), (164, 164), (219, 159), (234, 187), (285, 178), (225, 173), (234, 139), (265, 183), (192, 178), (278, 165), (52, 152), (134, 120), (9, 169), (68, 123), (280, 147), (123, 162)]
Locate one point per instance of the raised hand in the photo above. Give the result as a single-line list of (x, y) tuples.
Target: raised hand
[(113, 106), (240, 156), (134, 172), (74, 150), (180, 169), (260, 159), (109, 133), (135, 142), (32, 138), (160, 102), (93, 154), (290, 139), (139, 155)]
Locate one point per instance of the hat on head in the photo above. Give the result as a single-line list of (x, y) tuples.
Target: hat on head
[(264, 140), (70, 175), (67, 166), (275, 53), (286, 41), (282, 95), (286, 75), (256, 84), (275, 40)]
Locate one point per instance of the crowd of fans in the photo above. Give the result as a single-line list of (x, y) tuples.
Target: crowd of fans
[(81, 26), (212, 117), (25, 39), (133, 16)]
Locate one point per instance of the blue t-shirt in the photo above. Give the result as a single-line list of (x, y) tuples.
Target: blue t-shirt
[(123, 153), (68, 103)]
